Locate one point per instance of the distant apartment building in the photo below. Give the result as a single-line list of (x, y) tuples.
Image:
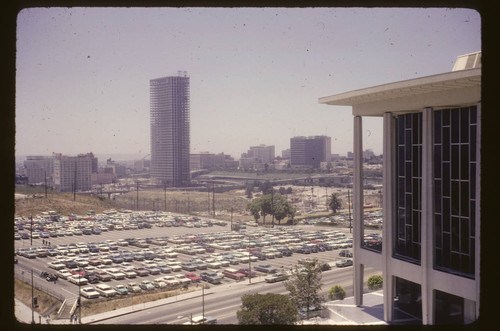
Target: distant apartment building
[(201, 161), (206, 160), (73, 173), (224, 161), (103, 177), (310, 151), (257, 157), (119, 170), (39, 169), (286, 154), (262, 152), (431, 241), (170, 130)]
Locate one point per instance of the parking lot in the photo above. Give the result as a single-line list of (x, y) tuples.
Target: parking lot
[(161, 251)]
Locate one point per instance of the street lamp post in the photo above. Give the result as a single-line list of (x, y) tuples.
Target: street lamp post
[(249, 263)]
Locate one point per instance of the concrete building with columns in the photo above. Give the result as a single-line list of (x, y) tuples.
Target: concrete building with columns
[(430, 253)]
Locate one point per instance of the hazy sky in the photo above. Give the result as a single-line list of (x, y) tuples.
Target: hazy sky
[(82, 81)]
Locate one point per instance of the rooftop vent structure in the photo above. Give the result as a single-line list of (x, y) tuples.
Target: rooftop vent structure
[(468, 61)]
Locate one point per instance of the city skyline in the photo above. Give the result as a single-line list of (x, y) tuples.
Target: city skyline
[(256, 73)]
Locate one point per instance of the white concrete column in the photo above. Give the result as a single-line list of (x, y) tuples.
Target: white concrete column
[(388, 172), (358, 201), (426, 225)]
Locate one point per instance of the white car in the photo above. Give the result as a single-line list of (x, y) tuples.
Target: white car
[(196, 320), (158, 282), (183, 279), (171, 280), (56, 265), (129, 273), (115, 273), (89, 292), (134, 287), (105, 290), (78, 280), (64, 273)]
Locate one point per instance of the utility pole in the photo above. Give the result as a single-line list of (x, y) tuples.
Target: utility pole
[(45, 177), (249, 263), (137, 194), (213, 198), (326, 197), (208, 194), (79, 296), (231, 218), (349, 204), (31, 230), (203, 303), (74, 185), (272, 205), (32, 300)]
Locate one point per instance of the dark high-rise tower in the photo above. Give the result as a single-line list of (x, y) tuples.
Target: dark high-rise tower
[(169, 111)]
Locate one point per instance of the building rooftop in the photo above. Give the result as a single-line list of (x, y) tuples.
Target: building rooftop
[(446, 90)]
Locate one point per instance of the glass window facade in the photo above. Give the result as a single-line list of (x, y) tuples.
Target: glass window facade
[(408, 187), (408, 297), (455, 139)]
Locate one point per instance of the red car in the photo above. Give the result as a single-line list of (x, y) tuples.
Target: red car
[(193, 277)]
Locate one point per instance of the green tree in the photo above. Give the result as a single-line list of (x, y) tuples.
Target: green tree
[(270, 204), (375, 282), (266, 309), (266, 187), (304, 286), (254, 207), (336, 292), (334, 202)]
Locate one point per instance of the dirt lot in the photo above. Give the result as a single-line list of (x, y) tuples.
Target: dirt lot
[(45, 302)]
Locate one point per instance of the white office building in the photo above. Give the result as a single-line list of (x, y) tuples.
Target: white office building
[(430, 254)]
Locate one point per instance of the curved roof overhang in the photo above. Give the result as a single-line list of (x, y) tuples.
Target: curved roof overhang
[(448, 90)]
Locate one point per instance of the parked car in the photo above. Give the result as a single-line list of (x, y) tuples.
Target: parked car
[(276, 277), (192, 276), (210, 277), (266, 268), (56, 265), (134, 287), (105, 290), (147, 285), (141, 271), (64, 273), (247, 272), (233, 274), (344, 263), (89, 292), (160, 283), (121, 289), (78, 280), (103, 276), (188, 266)]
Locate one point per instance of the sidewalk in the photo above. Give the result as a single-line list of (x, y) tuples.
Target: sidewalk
[(23, 314), (345, 312)]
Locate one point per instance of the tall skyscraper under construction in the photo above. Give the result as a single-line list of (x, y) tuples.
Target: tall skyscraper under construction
[(169, 111)]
